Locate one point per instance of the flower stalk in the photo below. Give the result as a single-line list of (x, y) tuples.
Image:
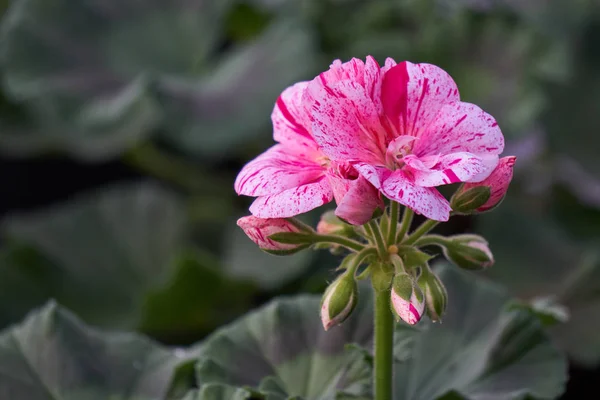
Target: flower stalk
[(384, 346)]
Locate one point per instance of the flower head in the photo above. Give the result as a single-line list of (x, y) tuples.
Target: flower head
[(403, 128), (259, 231), (295, 176)]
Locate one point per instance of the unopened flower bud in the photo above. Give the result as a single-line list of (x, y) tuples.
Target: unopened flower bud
[(339, 301), (407, 299), (260, 231), (469, 252), (436, 297), (471, 197), (330, 224)]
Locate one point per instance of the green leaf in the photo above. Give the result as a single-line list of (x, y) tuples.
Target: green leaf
[(282, 349), (53, 356), (197, 299), (102, 252), (232, 103), (540, 259), (95, 78), (481, 350)]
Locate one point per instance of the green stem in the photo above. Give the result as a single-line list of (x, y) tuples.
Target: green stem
[(384, 351), (429, 240), (420, 231), (359, 258), (378, 237), (407, 218), (394, 211), (345, 242)]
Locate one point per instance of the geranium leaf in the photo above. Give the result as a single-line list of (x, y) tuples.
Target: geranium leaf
[(53, 356)]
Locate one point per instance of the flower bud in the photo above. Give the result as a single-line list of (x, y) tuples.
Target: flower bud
[(260, 231), (339, 301), (469, 252), (436, 296), (332, 225), (470, 197), (407, 299)]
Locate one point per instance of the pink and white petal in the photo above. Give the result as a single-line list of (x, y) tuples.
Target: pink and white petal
[(373, 81), (346, 124), (412, 95), (293, 201), (359, 203), (373, 174), (491, 161), (291, 122), (339, 186), (275, 171), (461, 127), (422, 200), (389, 63), (451, 168), (366, 74)]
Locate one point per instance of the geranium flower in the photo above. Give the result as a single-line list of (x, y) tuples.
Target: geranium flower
[(403, 128), (295, 176)]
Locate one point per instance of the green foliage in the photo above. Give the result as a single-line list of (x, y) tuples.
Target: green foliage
[(119, 259), (482, 350), (104, 76), (52, 355)]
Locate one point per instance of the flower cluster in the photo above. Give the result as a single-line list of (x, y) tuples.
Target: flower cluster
[(363, 135)]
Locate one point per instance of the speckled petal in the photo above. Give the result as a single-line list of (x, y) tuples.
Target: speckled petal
[(461, 127), (293, 201), (412, 95), (276, 170), (426, 201)]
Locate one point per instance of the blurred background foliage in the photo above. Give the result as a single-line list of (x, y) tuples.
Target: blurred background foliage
[(123, 125)]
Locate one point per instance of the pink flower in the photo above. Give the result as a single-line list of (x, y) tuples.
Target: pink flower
[(294, 176), (498, 182), (259, 230), (403, 128)]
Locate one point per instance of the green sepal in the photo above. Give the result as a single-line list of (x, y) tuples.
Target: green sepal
[(286, 252), (467, 202), (459, 250), (413, 257), (381, 275), (436, 296), (293, 238)]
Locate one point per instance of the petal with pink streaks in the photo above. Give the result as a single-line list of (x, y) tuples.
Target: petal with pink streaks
[(422, 200), (293, 201), (452, 168), (461, 127), (412, 95), (275, 171)]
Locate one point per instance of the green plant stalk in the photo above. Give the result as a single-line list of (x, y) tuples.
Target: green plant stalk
[(407, 218), (429, 240), (384, 346), (420, 231), (378, 237), (394, 211), (342, 241)]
